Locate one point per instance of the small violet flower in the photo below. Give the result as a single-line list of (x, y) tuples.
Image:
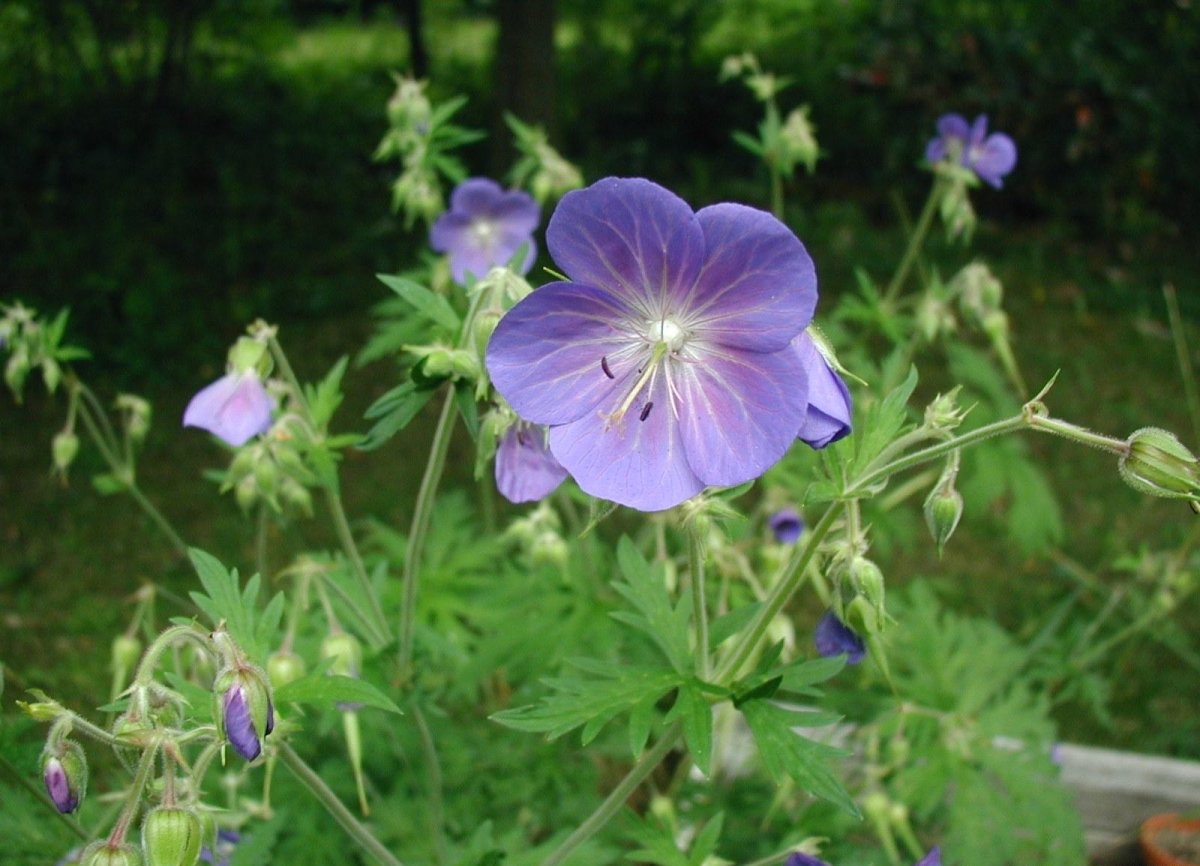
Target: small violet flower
[(246, 712), (663, 364), (234, 408), (526, 471), (786, 524), (830, 408), (833, 637), (484, 227), (991, 157), (799, 858)]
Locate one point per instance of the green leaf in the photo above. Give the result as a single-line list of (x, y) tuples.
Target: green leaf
[(223, 601), (726, 626), (645, 588), (107, 484), (326, 396), (430, 305), (749, 142), (464, 398), (328, 690), (593, 702), (395, 410), (785, 752), (695, 712)]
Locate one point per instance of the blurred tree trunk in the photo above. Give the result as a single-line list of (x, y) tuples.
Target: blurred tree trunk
[(418, 54), (524, 73)]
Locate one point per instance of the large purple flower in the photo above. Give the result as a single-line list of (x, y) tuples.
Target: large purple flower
[(526, 471), (829, 406), (485, 227), (664, 364), (234, 408), (989, 156)]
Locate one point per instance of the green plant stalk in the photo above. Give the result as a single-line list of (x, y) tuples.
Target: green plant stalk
[(437, 811), (422, 516), (791, 576), (317, 787), (39, 795), (614, 802), (1186, 371), (376, 624), (915, 241), (696, 555), (133, 800), (145, 669)]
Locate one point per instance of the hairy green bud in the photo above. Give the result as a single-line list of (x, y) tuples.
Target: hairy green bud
[(1158, 464), (943, 510), (171, 837)]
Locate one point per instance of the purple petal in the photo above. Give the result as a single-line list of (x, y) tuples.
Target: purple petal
[(630, 236), (739, 411), (547, 357), (994, 159), (58, 786), (833, 637), (933, 858), (978, 131), (475, 195), (786, 525), (239, 727), (637, 460), (953, 126), (517, 212), (526, 471), (234, 408), (830, 409), (935, 151), (799, 858), (758, 288), (485, 227)]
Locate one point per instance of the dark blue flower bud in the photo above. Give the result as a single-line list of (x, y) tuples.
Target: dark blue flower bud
[(799, 858), (65, 772), (786, 524), (833, 637), (244, 712)]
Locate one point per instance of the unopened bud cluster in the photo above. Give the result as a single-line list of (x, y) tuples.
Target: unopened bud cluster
[(1158, 464)]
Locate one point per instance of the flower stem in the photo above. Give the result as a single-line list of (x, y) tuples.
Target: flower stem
[(696, 554), (437, 820), (133, 800), (616, 799), (157, 518), (915, 240), (317, 787), (790, 578), (1184, 357), (422, 516)]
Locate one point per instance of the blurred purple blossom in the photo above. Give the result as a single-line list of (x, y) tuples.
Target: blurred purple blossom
[(234, 408), (526, 471), (663, 364), (833, 637), (991, 157), (485, 227), (830, 408), (786, 524)]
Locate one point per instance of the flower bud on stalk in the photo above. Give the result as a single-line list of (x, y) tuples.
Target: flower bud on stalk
[(285, 667), (65, 772), (171, 837), (244, 713), (943, 510), (1158, 464), (105, 853)]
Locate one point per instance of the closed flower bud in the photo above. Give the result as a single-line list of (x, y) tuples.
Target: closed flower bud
[(105, 853), (1158, 464), (244, 713), (136, 412), (65, 772), (943, 510), (799, 139), (943, 413), (126, 650), (246, 492), (171, 837), (51, 374), (833, 637), (346, 652), (786, 525), (285, 667), (297, 496), (63, 449), (867, 579), (549, 548)]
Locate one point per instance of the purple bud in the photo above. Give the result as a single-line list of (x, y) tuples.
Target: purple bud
[(830, 409), (933, 858), (234, 408), (786, 524), (834, 638), (246, 713), (64, 771), (799, 858), (58, 786)]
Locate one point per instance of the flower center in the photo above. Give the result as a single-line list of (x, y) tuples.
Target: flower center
[(483, 231), (666, 332)]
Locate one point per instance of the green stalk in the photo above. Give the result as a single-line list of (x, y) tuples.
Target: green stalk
[(696, 557), (317, 787), (915, 240), (437, 820), (616, 799), (1186, 371), (422, 516), (790, 578), (133, 800)]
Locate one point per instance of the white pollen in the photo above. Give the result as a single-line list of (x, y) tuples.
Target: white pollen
[(482, 230), (667, 331)]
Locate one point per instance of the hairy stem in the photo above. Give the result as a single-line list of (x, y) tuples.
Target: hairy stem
[(915, 240), (696, 555)]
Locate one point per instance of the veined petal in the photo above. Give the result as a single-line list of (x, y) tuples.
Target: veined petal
[(234, 408), (548, 355), (830, 409), (758, 287), (629, 236), (739, 411), (526, 471), (636, 460), (239, 726)]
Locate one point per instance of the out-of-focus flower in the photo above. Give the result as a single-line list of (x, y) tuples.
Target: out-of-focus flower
[(991, 157), (526, 471), (786, 524), (833, 637), (222, 850), (485, 226), (663, 364), (234, 408), (827, 418), (799, 858)]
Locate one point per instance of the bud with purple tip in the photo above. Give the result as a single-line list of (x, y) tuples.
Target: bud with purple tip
[(65, 772), (833, 637), (786, 525), (244, 713)]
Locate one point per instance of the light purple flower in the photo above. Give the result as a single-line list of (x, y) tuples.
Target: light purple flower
[(833, 637), (234, 408), (526, 471), (786, 524), (237, 717), (989, 156), (663, 364), (830, 408), (485, 227)]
